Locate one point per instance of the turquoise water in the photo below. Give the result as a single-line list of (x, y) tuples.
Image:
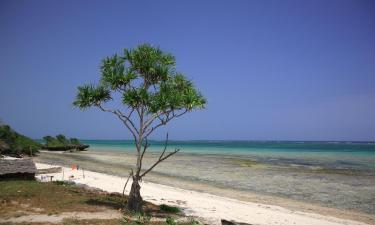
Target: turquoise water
[(244, 147), (348, 155)]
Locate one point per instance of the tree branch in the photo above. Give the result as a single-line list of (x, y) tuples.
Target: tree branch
[(132, 128), (165, 121), (144, 148), (156, 115), (128, 118), (161, 157), (126, 183)]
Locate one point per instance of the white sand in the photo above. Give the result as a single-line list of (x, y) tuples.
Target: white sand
[(209, 208)]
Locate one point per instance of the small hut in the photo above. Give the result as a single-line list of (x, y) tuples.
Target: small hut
[(17, 169)]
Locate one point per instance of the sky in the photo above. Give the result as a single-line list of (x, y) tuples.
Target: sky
[(270, 70)]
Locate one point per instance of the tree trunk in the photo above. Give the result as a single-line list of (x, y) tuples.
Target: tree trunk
[(135, 200)]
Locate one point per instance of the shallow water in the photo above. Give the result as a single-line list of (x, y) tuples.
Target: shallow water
[(340, 175)]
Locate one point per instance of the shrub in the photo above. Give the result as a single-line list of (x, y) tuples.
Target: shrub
[(170, 221), (17, 144), (142, 219), (192, 221), (63, 183), (170, 209)]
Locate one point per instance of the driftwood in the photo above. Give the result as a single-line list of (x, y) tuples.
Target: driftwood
[(227, 222)]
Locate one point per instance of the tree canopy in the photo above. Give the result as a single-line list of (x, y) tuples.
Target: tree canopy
[(146, 78)]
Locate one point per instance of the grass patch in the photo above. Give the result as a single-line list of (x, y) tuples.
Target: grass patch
[(169, 209), (170, 221), (51, 198), (19, 198)]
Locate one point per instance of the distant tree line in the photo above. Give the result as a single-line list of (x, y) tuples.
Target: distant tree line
[(17, 145), (61, 143)]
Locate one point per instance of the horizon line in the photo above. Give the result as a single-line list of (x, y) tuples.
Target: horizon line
[(234, 140)]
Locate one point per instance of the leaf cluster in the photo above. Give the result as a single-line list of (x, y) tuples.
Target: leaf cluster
[(146, 78), (170, 209)]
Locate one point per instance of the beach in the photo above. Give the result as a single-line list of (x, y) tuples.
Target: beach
[(207, 207), (334, 175), (262, 188)]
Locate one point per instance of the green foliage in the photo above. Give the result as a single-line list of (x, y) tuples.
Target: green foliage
[(63, 183), (171, 221), (51, 141), (60, 141), (89, 95), (149, 85), (48, 139), (142, 219), (16, 143), (170, 209), (192, 221), (125, 221), (53, 198), (75, 141), (146, 77)]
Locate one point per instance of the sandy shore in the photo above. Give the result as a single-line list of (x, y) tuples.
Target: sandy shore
[(209, 208)]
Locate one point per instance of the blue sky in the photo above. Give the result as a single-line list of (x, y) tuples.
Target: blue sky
[(271, 70)]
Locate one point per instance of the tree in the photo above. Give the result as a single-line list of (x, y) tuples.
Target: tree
[(62, 139), (49, 140), (152, 94), (75, 141)]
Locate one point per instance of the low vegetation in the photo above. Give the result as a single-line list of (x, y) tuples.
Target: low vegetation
[(171, 209), (21, 198), (61, 143), (170, 221), (15, 144)]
